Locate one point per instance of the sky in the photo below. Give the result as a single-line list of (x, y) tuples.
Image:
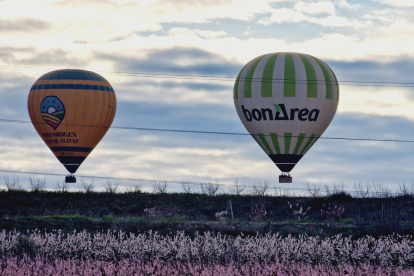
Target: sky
[(364, 42)]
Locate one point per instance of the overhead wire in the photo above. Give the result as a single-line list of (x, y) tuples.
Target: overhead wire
[(195, 183), (137, 179), (143, 74), (225, 78), (216, 78), (212, 132)]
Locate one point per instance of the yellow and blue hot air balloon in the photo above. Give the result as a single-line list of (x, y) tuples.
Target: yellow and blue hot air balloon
[(71, 110), (286, 101)]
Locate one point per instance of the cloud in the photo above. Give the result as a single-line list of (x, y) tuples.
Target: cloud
[(320, 13), (385, 16), (170, 89), (351, 48), (399, 27), (373, 88), (397, 70), (73, 42), (207, 157), (380, 101), (202, 34), (321, 7), (176, 60), (173, 93), (103, 21), (335, 21), (286, 15), (345, 5), (353, 161), (24, 25), (28, 155), (283, 15), (14, 92), (333, 46), (373, 42), (56, 58), (38, 57), (194, 11), (396, 3), (247, 32), (180, 156)]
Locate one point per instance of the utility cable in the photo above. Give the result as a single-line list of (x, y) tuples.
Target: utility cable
[(277, 188), (226, 78), (140, 179), (213, 132)]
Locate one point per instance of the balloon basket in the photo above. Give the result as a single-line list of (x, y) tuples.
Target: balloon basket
[(285, 178), (70, 179)]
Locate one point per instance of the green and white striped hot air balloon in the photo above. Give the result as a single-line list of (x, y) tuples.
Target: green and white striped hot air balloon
[(286, 101)]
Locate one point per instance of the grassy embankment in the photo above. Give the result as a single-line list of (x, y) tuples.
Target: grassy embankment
[(166, 213)]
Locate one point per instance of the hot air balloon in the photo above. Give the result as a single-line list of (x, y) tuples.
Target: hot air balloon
[(71, 110), (286, 101)]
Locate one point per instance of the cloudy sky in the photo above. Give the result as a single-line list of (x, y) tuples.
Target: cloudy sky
[(362, 41)]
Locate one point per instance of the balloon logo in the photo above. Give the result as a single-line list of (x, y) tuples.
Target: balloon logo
[(286, 101), (53, 111), (71, 110)]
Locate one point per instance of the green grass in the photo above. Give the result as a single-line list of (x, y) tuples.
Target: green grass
[(63, 217), (347, 220)]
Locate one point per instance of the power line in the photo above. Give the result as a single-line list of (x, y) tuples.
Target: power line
[(247, 134), (140, 179), (214, 132), (200, 183), (227, 78)]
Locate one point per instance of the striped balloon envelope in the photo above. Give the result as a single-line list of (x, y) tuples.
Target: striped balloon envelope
[(71, 110), (286, 101)]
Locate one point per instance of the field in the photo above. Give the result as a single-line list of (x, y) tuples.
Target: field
[(118, 253), (103, 233)]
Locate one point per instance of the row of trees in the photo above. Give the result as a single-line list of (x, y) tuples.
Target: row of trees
[(256, 188), (39, 184)]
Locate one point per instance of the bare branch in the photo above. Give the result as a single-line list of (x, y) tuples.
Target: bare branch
[(159, 187), (328, 191), (12, 184), (313, 189), (360, 191), (338, 188), (135, 188), (37, 183), (209, 188), (188, 188), (237, 189), (111, 187), (61, 186), (86, 186), (406, 190), (380, 190), (259, 188), (281, 192)]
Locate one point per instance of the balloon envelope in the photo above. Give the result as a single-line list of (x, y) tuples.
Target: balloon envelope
[(71, 110), (286, 101)]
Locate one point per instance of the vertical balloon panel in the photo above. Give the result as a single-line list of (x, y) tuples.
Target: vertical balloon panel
[(71, 110), (286, 101)]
